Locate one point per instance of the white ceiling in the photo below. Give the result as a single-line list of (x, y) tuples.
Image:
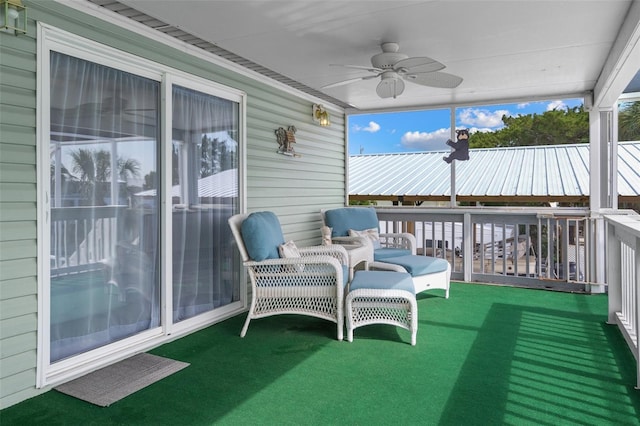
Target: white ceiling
[(504, 50)]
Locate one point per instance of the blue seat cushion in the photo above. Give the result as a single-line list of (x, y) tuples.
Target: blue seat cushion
[(386, 252), (419, 265), (262, 234), (343, 219), (382, 280)]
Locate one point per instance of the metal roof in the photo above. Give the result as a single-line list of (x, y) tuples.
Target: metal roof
[(219, 185), (553, 173)]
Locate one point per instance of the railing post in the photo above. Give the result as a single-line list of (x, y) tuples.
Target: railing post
[(599, 240), (467, 248), (614, 277)]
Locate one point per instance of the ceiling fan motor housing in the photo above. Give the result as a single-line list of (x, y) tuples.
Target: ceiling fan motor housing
[(385, 61), (389, 56)]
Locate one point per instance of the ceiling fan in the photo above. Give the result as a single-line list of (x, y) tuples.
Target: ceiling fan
[(394, 67)]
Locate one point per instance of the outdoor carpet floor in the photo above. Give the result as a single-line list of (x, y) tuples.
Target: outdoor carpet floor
[(489, 355)]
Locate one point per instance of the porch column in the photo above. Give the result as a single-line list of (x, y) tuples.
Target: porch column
[(599, 138)]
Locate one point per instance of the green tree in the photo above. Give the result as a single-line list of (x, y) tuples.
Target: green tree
[(553, 127), (93, 170), (215, 157), (150, 180), (629, 121)]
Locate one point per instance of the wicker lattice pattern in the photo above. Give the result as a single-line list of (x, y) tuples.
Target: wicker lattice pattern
[(373, 306), (312, 284), (401, 240), (312, 290)]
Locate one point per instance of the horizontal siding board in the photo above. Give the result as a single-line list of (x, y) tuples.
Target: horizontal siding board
[(17, 307), (17, 363), (17, 135), (11, 192), (19, 268), (272, 166), (17, 173), (18, 249), (17, 115), (12, 212), (18, 287), (17, 231), (16, 326), (17, 97), (17, 154), (24, 43), (17, 383), (281, 205), (17, 78), (21, 58)]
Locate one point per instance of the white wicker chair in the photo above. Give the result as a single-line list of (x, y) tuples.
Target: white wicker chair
[(397, 251), (361, 218), (312, 284)]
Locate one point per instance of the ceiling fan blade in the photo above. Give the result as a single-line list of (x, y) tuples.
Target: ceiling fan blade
[(435, 79), (390, 88), (358, 67), (418, 64), (351, 80)]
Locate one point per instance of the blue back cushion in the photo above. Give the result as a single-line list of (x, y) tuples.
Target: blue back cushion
[(262, 234), (358, 218)]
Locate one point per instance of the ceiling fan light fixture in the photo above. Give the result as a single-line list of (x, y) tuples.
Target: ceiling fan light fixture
[(390, 87), (321, 116)]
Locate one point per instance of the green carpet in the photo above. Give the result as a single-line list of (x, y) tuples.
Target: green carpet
[(489, 355)]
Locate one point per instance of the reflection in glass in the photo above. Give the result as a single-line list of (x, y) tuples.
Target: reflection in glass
[(204, 196), (104, 246)]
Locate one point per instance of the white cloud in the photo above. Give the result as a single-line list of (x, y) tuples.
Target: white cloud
[(482, 117), (523, 105), (371, 128), (426, 141), (473, 130), (556, 105)]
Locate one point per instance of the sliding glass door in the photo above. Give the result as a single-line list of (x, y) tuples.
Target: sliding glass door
[(104, 144), (204, 195), (138, 196)]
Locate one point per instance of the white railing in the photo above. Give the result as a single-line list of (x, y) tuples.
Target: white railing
[(623, 261), (535, 247), (82, 238)]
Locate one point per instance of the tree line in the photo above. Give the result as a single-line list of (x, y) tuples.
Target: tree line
[(555, 127)]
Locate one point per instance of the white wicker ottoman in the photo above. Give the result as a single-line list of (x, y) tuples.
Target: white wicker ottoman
[(382, 297)]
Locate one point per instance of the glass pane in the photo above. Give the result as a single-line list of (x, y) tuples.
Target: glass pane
[(104, 226), (204, 196)]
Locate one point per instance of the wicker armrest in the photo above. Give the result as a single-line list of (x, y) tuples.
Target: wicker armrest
[(335, 251), (399, 240), (351, 241)]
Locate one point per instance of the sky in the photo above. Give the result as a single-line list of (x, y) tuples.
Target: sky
[(416, 131)]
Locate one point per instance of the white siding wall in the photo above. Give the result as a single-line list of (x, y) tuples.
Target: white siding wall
[(294, 188)]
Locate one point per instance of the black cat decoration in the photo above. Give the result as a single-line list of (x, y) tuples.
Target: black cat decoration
[(460, 147)]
